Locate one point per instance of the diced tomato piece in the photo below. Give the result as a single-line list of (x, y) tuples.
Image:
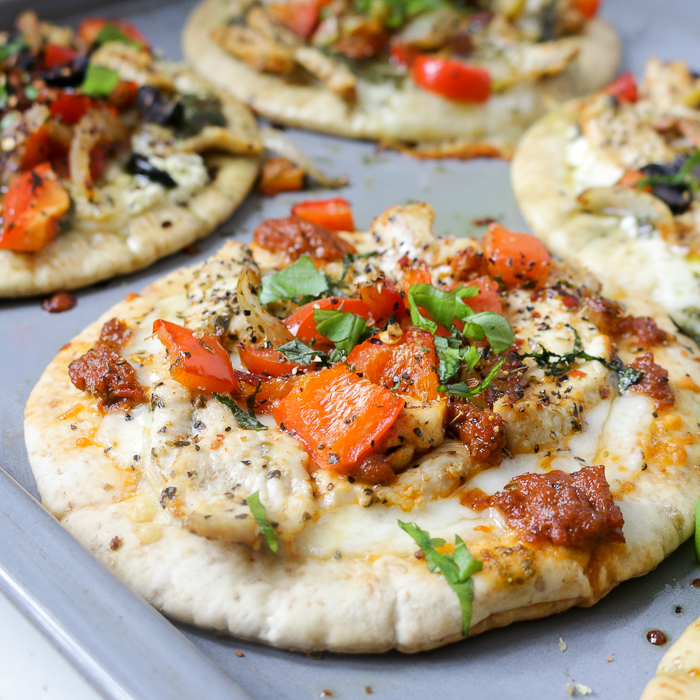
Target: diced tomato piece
[(98, 159), (71, 107), (339, 417), (31, 208), (263, 360), (487, 299), (301, 322), (196, 362), (517, 258), (91, 27), (624, 88), (412, 360), (383, 300), (331, 214), (451, 78), (403, 54), (124, 94), (301, 16), (588, 8), (56, 55), (37, 148)]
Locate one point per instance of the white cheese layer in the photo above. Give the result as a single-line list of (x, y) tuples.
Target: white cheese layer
[(588, 168)]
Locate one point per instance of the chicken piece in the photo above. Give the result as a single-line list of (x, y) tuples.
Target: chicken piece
[(259, 52), (207, 488), (335, 76), (132, 63), (212, 294)]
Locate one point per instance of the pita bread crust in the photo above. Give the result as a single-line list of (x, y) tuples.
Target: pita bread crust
[(77, 258), (382, 113), (352, 604), (678, 674)]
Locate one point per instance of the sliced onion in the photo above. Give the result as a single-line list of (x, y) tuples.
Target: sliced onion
[(621, 201), (97, 126), (278, 142), (275, 331)]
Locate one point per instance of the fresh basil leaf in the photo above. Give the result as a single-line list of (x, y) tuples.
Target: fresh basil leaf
[(265, 526), (462, 388), (302, 354), (30, 92), (443, 307), (343, 328), (554, 364), (457, 568), (300, 279), (3, 97), (99, 81), (628, 376), (110, 33), (244, 420), (12, 48), (493, 326), (452, 356)]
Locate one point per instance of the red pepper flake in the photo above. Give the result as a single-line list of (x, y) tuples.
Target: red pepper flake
[(59, 302)]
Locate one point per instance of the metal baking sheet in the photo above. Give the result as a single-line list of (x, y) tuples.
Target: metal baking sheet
[(606, 645)]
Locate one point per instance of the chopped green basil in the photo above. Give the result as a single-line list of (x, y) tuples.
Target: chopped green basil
[(393, 13), (341, 327), (457, 568), (247, 421), (683, 178), (3, 96), (452, 356), (99, 81), (554, 364), (302, 354), (462, 388), (12, 48), (444, 307), (697, 531), (266, 529), (110, 33), (299, 280), (30, 92)]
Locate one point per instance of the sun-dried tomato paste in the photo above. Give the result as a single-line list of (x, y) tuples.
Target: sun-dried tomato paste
[(105, 374), (609, 317), (295, 237), (479, 429), (654, 381), (574, 510)]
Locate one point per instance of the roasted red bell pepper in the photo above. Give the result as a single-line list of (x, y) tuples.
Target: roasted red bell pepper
[(624, 88), (588, 8), (71, 107), (37, 148), (31, 208), (331, 214), (339, 417), (262, 360), (403, 54), (452, 78), (196, 362), (408, 366), (517, 258), (301, 322), (487, 299), (383, 300), (301, 16), (56, 55)]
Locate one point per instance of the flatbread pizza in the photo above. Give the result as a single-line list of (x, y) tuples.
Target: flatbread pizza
[(435, 78), (678, 674), (110, 157), (359, 441), (611, 181)]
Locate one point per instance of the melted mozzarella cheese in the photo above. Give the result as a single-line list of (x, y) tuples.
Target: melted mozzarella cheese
[(123, 435), (356, 531), (588, 168)]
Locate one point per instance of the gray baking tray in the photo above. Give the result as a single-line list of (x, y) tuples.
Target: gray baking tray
[(130, 652)]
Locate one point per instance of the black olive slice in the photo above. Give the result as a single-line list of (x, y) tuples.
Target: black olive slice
[(140, 165)]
